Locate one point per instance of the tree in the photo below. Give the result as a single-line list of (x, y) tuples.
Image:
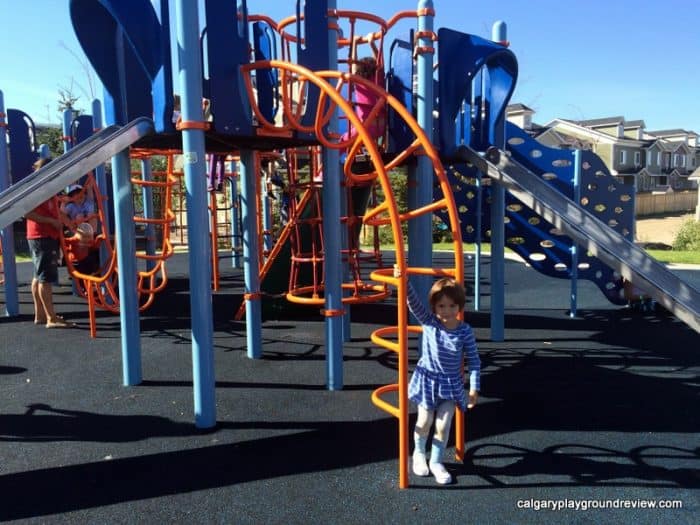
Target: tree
[(52, 137), (67, 99)]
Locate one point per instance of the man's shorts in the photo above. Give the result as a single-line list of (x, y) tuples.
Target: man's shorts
[(45, 258)]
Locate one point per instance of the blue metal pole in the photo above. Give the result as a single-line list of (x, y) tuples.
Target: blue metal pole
[(126, 262), (234, 217), (477, 244), (420, 229), (190, 79), (147, 196), (331, 236), (251, 263), (476, 103), (498, 210), (101, 179), (7, 234), (67, 124), (125, 244), (574, 247)]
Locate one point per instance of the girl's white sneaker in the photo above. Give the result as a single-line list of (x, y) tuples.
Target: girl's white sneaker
[(440, 472)]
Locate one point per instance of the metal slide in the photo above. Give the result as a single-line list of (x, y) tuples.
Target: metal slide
[(21, 198), (674, 294)]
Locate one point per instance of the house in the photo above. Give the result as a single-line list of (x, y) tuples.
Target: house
[(654, 161)]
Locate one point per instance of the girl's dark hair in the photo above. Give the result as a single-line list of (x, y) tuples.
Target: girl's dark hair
[(450, 288), (366, 67)]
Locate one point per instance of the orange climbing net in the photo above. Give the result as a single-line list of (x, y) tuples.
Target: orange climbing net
[(101, 287)]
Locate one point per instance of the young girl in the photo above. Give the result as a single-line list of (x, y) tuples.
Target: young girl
[(365, 99), (437, 384)]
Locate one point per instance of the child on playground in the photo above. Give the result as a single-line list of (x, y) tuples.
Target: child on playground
[(79, 208), (365, 99), (437, 385)]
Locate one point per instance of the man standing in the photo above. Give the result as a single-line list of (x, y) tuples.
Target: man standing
[(43, 230)]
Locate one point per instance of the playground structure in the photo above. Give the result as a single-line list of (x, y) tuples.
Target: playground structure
[(303, 102)]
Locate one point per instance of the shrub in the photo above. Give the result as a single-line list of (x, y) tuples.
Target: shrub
[(688, 237)]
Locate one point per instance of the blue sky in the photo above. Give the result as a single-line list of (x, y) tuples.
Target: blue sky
[(577, 60)]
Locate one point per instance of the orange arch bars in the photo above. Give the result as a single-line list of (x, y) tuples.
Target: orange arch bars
[(330, 84)]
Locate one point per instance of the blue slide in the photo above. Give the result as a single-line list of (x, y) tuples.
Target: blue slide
[(589, 232), (21, 198)]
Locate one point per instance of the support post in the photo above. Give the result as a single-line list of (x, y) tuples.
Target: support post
[(420, 187), (190, 79), (332, 234), (498, 210), (7, 235), (126, 262), (251, 263), (574, 246)]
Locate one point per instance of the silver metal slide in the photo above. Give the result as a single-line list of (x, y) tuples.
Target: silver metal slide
[(21, 198), (633, 263)]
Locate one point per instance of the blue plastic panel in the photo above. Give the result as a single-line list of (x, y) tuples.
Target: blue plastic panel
[(266, 79), (400, 85), (460, 58), (313, 53), (81, 128), (227, 49), (124, 43), (22, 148)]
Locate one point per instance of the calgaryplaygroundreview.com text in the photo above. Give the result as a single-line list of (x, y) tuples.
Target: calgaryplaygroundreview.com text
[(595, 504)]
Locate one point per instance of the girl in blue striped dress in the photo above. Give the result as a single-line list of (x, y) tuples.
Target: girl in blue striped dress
[(437, 384)]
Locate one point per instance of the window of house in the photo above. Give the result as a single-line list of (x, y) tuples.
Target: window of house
[(677, 160), (663, 181), (649, 158), (658, 158), (637, 158), (623, 157)]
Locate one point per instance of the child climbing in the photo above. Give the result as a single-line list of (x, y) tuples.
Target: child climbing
[(365, 99), (79, 209), (437, 384)]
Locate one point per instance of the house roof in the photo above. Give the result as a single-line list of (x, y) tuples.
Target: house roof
[(518, 107), (600, 122), (664, 145), (629, 124), (669, 132)]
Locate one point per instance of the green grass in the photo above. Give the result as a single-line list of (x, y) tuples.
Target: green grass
[(675, 256)]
